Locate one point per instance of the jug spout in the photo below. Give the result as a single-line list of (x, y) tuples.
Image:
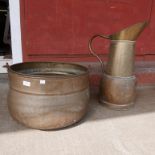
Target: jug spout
[(129, 33)]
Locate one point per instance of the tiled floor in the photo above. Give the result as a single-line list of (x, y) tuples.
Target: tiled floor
[(101, 132)]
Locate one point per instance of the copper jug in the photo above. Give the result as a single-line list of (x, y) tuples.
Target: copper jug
[(118, 83), (121, 55)]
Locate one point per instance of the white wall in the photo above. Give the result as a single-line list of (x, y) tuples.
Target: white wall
[(15, 31)]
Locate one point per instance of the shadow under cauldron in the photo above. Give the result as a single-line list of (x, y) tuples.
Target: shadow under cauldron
[(7, 124), (145, 103)]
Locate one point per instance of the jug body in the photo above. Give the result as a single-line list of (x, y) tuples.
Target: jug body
[(121, 58), (118, 92)]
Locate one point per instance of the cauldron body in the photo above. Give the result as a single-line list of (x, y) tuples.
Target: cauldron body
[(48, 95)]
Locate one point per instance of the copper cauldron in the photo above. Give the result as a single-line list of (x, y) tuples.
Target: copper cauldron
[(48, 95)]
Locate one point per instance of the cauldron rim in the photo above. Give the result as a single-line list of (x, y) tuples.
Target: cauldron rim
[(81, 70)]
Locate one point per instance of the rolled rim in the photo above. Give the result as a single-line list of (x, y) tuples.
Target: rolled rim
[(120, 77), (17, 68)]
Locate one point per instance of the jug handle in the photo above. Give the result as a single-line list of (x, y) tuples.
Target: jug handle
[(92, 51)]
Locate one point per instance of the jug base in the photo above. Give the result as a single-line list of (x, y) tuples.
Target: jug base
[(117, 106)]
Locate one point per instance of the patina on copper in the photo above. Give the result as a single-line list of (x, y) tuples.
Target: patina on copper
[(48, 95)]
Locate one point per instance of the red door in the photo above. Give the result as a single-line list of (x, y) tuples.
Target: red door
[(61, 29)]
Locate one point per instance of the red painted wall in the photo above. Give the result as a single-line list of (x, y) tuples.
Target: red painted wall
[(60, 30)]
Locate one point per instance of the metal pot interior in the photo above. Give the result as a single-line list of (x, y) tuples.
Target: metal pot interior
[(55, 69)]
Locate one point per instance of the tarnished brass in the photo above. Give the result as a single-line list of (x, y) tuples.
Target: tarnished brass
[(118, 92), (129, 33), (123, 38), (118, 83), (121, 58), (48, 95)]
